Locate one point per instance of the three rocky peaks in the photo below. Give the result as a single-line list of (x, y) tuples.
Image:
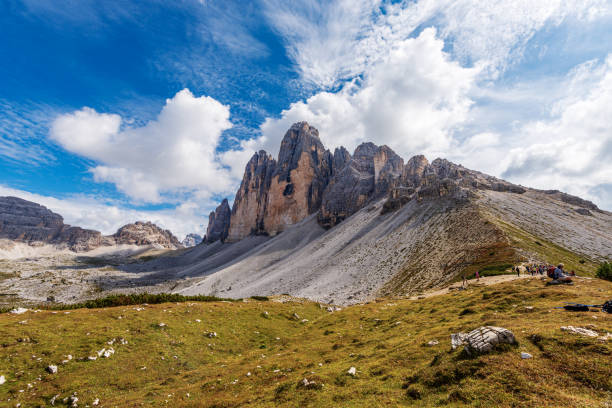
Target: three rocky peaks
[(307, 178)]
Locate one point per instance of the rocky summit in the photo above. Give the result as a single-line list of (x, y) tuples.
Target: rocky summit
[(191, 240), (146, 233), (218, 223), (25, 221), (32, 223)]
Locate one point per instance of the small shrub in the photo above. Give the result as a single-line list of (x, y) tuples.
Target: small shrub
[(414, 392), (260, 298), (604, 271), (467, 311)]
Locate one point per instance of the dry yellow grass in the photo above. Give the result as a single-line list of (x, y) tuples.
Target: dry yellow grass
[(386, 341)]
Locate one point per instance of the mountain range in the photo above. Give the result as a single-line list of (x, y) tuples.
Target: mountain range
[(341, 227)]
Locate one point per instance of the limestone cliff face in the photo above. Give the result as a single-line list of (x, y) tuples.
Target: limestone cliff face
[(414, 171), (371, 172), (219, 223), (302, 173), (251, 200), (25, 221), (388, 168), (341, 158), (442, 178)]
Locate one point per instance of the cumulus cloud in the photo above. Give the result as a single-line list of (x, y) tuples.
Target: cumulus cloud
[(97, 214), (410, 100), (175, 153), (572, 150)]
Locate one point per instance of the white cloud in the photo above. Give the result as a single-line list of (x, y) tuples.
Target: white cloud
[(93, 213), (411, 101), (173, 154), (334, 40), (572, 150)]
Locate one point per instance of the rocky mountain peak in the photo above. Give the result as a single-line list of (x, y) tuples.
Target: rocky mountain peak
[(251, 199), (146, 233), (302, 172), (341, 157), (219, 223), (191, 240)]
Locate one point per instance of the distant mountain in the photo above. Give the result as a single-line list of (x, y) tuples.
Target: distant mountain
[(26, 221), (191, 240), (146, 233)]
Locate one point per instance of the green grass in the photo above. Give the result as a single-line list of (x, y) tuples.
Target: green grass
[(604, 271), (492, 270), (127, 300), (386, 341)]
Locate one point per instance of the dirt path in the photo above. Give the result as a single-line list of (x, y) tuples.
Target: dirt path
[(484, 281)]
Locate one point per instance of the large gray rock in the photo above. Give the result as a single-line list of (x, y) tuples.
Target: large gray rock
[(483, 339), (219, 223)]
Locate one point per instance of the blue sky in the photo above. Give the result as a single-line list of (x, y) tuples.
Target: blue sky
[(115, 111)]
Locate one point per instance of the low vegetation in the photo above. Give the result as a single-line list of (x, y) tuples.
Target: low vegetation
[(257, 353), (604, 271)]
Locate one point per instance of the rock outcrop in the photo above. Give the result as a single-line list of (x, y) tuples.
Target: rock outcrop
[(191, 240), (307, 179), (26, 221), (219, 223), (483, 339), (146, 233), (251, 199), (302, 173), (29, 222), (341, 157), (371, 172)]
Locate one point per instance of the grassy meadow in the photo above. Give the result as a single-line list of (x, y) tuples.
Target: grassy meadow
[(257, 353)]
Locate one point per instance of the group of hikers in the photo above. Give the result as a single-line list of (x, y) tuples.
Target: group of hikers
[(556, 273)]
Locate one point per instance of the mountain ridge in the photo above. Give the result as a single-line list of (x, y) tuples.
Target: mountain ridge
[(29, 222)]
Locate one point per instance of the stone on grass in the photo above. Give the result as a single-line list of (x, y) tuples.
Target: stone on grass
[(19, 310), (96, 402), (352, 371), (162, 325), (433, 343), (212, 334), (525, 355), (483, 339), (458, 339), (580, 330), (2, 379), (52, 369)]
